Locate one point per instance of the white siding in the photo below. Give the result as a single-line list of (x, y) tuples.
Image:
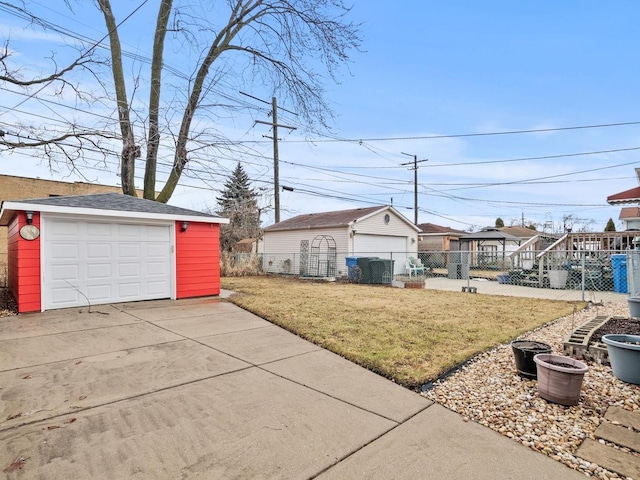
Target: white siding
[(281, 246), (373, 237), (375, 224)]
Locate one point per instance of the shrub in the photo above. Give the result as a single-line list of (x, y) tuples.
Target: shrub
[(240, 265)]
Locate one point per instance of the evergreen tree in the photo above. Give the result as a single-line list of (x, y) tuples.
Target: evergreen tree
[(611, 226), (238, 203), (499, 223)]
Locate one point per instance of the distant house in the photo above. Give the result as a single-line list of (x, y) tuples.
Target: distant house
[(630, 216), (523, 233), (437, 238), (316, 244)]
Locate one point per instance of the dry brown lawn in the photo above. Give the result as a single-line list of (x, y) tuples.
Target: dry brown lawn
[(408, 335)]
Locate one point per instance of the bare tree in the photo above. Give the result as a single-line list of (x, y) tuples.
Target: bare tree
[(573, 223), (290, 46), (70, 141)]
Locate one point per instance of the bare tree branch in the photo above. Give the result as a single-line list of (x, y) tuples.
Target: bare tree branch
[(289, 46)]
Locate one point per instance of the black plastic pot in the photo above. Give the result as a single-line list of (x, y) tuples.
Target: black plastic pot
[(523, 353)]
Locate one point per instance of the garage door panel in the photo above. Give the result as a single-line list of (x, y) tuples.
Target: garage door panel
[(383, 246), (99, 293), (129, 250), (107, 263), (156, 287), (98, 229), (98, 271), (129, 290), (129, 230), (153, 231), (156, 268), (64, 295), (64, 229), (65, 272), (129, 270), (65, 251), (98, 250), (155, 251)]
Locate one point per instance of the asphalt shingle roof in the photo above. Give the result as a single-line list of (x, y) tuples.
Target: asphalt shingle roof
[(322, 220), (116, 202), (521, 232), (433, 228)]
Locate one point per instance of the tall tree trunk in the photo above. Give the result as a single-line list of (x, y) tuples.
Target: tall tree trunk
[(240, 16), (154, 99), (129, 149)]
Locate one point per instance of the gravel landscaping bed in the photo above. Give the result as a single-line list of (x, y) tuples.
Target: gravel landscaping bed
[(8, 305), (488, 391)]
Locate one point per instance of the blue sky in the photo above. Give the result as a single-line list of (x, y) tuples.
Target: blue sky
[(431, 75)]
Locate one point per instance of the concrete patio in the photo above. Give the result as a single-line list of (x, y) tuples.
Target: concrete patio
[(201, 388)]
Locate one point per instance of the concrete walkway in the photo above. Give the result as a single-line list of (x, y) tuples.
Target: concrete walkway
[(203, 389), (494, 288)]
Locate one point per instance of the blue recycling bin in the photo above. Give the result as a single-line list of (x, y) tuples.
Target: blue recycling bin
[(352, 263), (619, 267)]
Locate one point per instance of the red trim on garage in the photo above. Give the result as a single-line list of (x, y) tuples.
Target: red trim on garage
[(197, 260), (24, 265)]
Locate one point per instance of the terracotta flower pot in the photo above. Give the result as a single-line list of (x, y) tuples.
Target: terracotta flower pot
[(560, 378)]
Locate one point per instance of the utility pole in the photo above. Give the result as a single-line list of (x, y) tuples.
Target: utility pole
[(276, 168), (415, 183)]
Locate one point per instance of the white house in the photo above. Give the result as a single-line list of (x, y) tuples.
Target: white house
[(317, 244)]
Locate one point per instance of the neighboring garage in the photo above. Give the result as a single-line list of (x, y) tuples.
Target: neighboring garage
[(107, 248), (317, 244)]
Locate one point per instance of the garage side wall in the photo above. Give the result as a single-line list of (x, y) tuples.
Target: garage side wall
[(282, 248), (197, 260), (24, 265)]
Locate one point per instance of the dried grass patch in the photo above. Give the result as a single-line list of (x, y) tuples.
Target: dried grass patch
[(410, 336), (232, 265)]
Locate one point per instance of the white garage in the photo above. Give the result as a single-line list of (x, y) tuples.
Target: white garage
[(107, 262), (379, 231)]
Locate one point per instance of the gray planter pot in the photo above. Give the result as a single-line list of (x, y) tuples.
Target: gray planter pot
[(624, 355), (557, 383), (634, 306)]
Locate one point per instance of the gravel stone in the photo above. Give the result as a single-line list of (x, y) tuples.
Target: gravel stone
[(488, 390)]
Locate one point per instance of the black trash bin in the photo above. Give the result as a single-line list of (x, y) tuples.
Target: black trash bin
[(364, 263)]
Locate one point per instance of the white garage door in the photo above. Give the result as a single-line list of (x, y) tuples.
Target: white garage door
[(88, 262), (383, 246)]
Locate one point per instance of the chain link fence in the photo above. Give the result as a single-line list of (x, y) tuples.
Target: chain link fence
[(594, 271)]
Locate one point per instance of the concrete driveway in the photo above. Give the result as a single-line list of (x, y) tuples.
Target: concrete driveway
[(203, 389)]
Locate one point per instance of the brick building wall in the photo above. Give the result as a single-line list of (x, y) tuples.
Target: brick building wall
[(22, 188)]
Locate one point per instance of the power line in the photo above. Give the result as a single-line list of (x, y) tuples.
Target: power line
[(93, 47), (524, 182), (545, 157), (481, 134)]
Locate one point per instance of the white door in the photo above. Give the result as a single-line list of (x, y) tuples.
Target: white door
[(92, 262), (383, 246)]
